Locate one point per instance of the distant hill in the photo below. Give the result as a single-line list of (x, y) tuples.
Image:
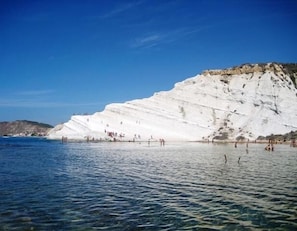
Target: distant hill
[(280, 137), (24, 128)]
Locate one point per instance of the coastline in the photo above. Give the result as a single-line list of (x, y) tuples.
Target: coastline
[(291, 142), (235, 142)]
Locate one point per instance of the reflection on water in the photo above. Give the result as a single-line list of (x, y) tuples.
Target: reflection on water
[(47, 185)]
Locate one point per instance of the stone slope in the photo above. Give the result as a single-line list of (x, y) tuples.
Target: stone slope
[(242, 102)]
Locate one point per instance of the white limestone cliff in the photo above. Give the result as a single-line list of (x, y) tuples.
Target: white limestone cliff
[(246, 101)]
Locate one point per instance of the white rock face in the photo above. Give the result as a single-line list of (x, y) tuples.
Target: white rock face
[(246, 101)]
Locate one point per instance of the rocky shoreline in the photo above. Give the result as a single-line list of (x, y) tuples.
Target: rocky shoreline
[(287, 139), (24, 128)]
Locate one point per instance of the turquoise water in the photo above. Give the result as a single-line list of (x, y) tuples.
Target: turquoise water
[(47, 185)]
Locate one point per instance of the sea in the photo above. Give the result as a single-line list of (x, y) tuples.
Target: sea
[(50, 185)]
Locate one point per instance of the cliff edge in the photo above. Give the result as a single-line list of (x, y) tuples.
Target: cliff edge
[(243, 102)]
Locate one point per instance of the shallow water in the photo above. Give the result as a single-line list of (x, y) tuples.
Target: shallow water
[(47, 185)]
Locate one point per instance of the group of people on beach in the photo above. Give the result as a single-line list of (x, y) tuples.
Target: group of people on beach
[(269, 146), (293, 143)]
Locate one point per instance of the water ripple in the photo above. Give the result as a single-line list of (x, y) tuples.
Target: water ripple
[(112, 186)]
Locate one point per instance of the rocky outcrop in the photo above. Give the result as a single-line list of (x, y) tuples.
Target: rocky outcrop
[(256, 68), (290, 69), (243, 102), (24, 128)]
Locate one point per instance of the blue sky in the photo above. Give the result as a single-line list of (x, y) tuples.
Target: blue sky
[(59, 58)]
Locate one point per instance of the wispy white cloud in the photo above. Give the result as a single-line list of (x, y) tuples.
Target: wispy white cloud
[(40, 99), (35, 92), (165, 37), (147, 41), (31, 103), (122, 8)]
